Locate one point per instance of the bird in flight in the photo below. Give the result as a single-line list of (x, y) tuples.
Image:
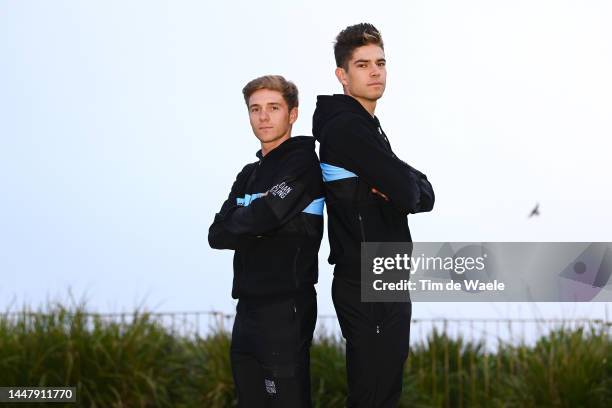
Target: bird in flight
[(535, 211)]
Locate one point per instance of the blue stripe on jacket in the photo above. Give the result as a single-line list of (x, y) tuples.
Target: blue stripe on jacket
[(315, 207), (333, 173)]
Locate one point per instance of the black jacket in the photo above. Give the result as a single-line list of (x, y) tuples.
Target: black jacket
[(276, 236), (356, 156)]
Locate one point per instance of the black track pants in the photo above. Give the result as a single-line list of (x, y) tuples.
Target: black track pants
[(377, 341), (270, 351)]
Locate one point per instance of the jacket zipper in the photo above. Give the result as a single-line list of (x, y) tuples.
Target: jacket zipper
[(295, 277), (361, 227), (356, 204)]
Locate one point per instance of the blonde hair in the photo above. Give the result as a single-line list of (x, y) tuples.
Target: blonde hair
[(273, 83)]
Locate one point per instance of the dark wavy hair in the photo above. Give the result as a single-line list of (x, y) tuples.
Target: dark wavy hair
[(353, 37)]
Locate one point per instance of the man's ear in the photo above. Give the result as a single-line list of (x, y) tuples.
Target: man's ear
[(341, 75), (293, 115)]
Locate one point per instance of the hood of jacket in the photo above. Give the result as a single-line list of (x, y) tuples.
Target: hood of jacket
[(295, 143), (330, 106)]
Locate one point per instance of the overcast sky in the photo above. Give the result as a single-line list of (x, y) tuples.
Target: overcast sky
[(122, 127)]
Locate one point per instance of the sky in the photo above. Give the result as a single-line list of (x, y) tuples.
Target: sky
[(122, 127)]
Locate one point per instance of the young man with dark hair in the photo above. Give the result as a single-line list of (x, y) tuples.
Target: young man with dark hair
[(369, 192), (273, 220)]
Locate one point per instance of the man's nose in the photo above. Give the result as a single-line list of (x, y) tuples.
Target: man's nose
[(375, 71), (263, 116)]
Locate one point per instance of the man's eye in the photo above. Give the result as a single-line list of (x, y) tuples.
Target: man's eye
[(275, 108), (381, 64), (361, 65)]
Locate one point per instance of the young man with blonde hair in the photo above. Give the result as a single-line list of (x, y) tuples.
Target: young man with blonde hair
[(370, 192), (273, 220)]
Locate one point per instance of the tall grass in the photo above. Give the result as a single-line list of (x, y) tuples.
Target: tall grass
[(140, 363)]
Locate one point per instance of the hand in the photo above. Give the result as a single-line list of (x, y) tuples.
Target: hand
[(375, 191)]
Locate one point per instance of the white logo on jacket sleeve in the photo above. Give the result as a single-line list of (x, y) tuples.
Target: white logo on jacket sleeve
[(280, 190), (270, 386)]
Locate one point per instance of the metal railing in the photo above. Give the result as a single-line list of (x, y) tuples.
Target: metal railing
[(491, 331)]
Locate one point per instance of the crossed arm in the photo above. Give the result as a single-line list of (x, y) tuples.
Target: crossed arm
[(404, 186), (286, 198)]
